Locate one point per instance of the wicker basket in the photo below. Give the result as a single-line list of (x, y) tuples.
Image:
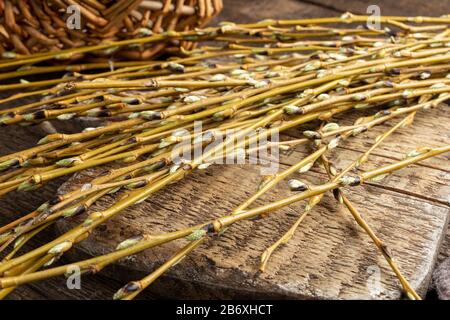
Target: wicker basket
[(30, 26)]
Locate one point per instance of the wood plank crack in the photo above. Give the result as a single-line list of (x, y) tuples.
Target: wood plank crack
[(409, 193)]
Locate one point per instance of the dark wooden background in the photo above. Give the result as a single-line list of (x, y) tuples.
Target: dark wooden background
[(101, 287)]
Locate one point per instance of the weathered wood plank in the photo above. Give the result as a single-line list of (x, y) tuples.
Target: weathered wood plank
[(329, 255), (256, 10), (240, 11), (445, 249), (16, 204), (399, 8), (430, 129), (92, 288)]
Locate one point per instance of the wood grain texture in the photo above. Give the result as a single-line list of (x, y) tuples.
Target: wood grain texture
[(427, 199), (388, 7), (256, 10), (329, 257), (17, 204)]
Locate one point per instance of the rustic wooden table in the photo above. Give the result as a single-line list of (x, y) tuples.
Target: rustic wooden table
[(328, 257)]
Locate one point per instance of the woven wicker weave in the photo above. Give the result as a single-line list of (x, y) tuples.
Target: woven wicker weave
[(29, 26)]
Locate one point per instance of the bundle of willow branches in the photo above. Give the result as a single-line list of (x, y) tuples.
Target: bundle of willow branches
[(271, 75)]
